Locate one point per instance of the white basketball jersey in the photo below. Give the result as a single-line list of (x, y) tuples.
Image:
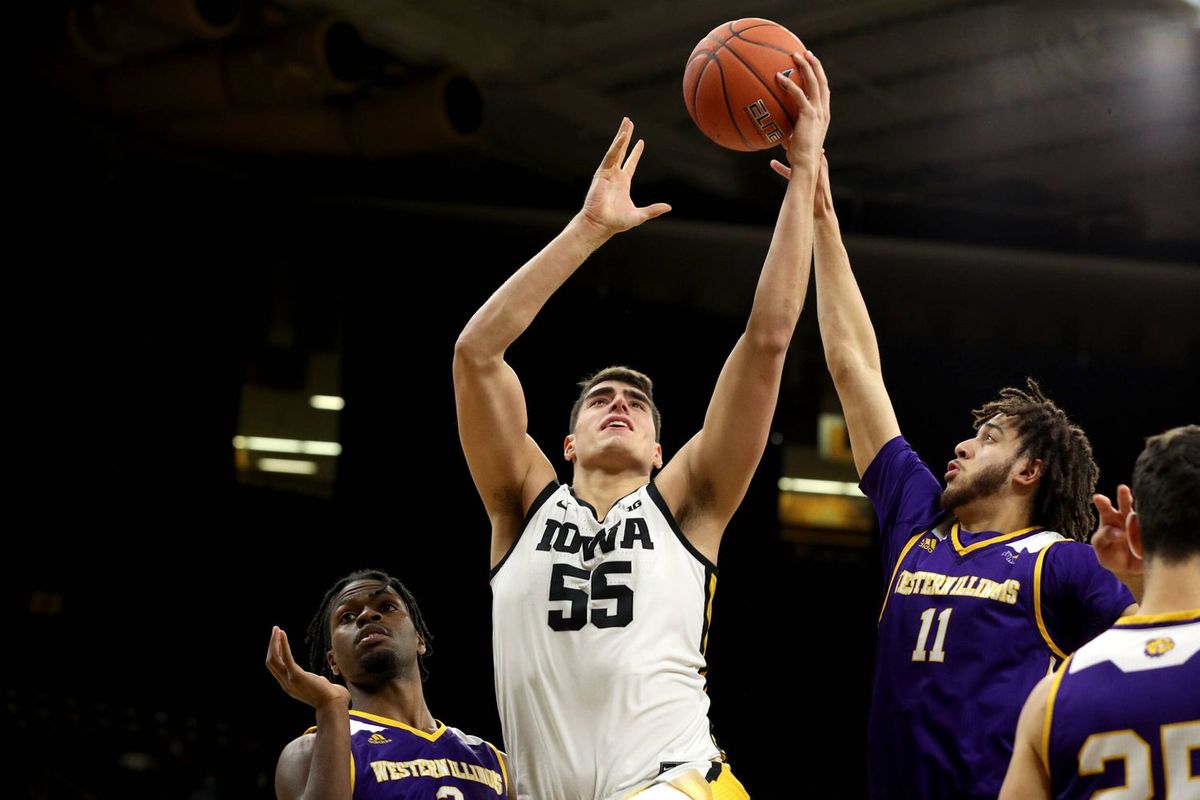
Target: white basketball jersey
[(598, 633)]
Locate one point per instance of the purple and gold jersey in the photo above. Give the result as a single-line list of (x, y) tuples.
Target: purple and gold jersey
[(970, 623), (393, 761), (1123, 714)]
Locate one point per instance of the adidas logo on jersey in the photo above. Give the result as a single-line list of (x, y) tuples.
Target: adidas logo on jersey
[(378, 738), (927, 544), (1160, 646)]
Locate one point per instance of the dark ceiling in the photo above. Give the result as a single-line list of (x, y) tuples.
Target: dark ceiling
[(1059, 125)]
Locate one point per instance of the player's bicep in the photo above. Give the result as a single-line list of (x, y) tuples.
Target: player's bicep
[(291, 773), (721, 459), (870, 419), (492, 425)]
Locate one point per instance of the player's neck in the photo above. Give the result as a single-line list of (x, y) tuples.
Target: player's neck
[(1171, 587), (994, 513), (400, 699), (601, 489)]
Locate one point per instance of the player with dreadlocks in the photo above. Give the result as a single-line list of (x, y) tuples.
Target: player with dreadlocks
[(989, 585), (366, 645)]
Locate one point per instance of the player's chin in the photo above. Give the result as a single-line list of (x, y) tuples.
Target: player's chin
[(379, 661), (624, 454), (951, 499)]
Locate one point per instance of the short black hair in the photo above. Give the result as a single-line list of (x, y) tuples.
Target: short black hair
[(1166, 489), (318, 638)]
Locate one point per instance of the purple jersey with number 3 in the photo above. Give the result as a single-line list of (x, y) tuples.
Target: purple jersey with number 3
[(970, 623), (1123, 714), (393, 761)]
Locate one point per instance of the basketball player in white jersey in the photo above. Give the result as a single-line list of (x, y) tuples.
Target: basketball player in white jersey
[(602, 588)]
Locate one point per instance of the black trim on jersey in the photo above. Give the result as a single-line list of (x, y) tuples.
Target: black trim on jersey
[(714, 771), (589, 507), (652, 490), (534, 507), (709, 572)]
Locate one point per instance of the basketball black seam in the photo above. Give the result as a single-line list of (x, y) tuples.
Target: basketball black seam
[(712, 56), (696, 91), (725, 95), (736, 34), (752, 27), (761, 44), (750, 69)]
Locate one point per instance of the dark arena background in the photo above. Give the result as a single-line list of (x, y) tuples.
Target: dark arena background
[(223, 209)]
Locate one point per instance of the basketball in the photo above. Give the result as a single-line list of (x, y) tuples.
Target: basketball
[(729, 84)]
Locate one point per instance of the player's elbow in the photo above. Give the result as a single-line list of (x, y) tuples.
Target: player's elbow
[(770, 340), (845, 364), (471, 351)]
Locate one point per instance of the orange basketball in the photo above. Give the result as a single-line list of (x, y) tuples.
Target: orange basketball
[(729, 84)]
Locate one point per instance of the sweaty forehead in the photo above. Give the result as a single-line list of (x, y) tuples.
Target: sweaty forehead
[(362, 590), (612, 387), (1003, 424)]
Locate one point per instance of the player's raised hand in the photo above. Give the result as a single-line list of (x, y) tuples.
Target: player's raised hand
[(1111, 539), (808, 88), (315, 690), (609, 205)]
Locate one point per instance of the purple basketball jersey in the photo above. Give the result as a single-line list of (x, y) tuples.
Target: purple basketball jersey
[(1124, 713), (392, 761), (970, 623)]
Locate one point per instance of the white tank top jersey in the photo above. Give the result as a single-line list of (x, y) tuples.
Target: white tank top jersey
[(598, 631)]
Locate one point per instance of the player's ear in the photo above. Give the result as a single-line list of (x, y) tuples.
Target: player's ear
[(658, 456), (420, 644), (1031, 472), (1134, 538), (333, 667), (569, 447)]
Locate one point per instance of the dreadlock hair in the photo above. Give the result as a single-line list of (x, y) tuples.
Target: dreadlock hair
[(1069, 474), (318, 638)]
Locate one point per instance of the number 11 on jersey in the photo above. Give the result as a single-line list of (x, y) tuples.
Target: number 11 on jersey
[(937, 654)]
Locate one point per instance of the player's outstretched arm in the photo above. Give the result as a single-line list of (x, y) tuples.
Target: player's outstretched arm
[(508, 468), (709, 476), (851, 350)]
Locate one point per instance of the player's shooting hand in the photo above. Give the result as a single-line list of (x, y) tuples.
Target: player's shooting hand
[(609, 205), (808, 87), (316, 690), (1111, 539)]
